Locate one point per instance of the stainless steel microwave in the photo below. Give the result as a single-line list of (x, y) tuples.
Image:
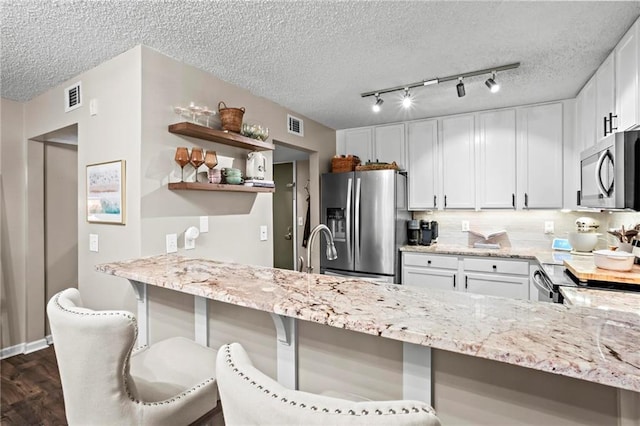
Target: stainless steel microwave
[(610, 173)]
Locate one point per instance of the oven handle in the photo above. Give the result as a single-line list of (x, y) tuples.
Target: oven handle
[(541, 283)]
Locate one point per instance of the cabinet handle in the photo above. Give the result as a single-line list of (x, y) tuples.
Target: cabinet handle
[(454, 281), (513, 201), (466, 281), (445, 201), (605, 125), (495, 267), (435, 198), (428, 262), (526, 200), (611, 117)]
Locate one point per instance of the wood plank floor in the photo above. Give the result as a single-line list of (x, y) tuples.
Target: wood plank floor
[(30, 392)]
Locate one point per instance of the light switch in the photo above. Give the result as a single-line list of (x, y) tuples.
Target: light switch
[(93, 107), (263, 233), (93, 242), (204, 224), (548, 227)]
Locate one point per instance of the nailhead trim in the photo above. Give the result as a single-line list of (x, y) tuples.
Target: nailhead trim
[(302, 405), (127, 360)]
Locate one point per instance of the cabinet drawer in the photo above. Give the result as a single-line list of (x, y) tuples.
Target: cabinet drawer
[(516, 267), (429, 260)]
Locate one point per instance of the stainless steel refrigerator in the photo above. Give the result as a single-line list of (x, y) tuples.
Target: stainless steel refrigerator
[(366, 212)]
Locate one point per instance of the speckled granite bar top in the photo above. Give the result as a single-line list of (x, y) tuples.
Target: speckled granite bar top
[(460, 250), (625, 301), (588, 344)]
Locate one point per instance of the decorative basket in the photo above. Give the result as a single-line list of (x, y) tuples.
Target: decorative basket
[(231, 118), (344, 163), (378, 166)]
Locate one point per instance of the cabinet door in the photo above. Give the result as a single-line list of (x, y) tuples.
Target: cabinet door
[(421, 164), (587, 120), (497, 177), (627, 74), (605, 96), (497, 285), (389, 145), (541, 176), (359, 142), (436, 279), (458, 165)]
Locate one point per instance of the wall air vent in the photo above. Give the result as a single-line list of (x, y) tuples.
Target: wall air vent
[(295, 125), (72, 97)]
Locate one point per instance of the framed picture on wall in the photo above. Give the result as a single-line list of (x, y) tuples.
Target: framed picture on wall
[(106, 192)]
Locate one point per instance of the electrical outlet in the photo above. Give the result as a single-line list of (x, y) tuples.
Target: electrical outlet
[(548, 227), (465, 225), (300, 221), (204, 224), (93, 242), (172, 243), (263, 233)]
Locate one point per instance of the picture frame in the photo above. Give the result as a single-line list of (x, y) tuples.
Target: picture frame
[(106, 185)]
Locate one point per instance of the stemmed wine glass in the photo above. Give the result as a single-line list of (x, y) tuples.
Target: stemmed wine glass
[(197, 158), (195, 112), (211, 159), (182, 158), (207, 113)]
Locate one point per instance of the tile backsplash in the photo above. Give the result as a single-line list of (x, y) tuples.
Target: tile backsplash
[(525, 228)]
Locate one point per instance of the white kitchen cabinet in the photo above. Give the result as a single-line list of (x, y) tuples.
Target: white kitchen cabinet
[(586, 119), (627, 65), (458, 162), (359, 142), (436, 272), (605, 97), (540, 164), (497, 159), (513, 287), (493, 276), (389, 145), (422, 140)]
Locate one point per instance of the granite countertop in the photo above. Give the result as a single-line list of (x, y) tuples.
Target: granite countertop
[(461, 250), (584, 343), (602, 299)]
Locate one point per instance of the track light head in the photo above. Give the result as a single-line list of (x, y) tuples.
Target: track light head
[(378, 104), (460, 88), (491, 84), (406, 100)]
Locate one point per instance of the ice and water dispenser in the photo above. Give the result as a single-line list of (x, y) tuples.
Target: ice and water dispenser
[(337, 223)]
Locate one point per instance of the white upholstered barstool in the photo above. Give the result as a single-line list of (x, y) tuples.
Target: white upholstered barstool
[(249, 397), (105, 381)]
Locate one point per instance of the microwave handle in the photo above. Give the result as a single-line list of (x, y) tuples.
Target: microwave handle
[(604, 191)]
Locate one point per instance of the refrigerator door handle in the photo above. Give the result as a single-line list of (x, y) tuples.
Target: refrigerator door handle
[(348, 216), (357, 223)]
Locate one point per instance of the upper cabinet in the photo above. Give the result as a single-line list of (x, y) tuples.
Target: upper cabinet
[(605, 98), (359, 142), (540, 173), (458, 162), (388, 144), (381, 143), (422, 140), (497, 159), (627, 64), (586, 116)]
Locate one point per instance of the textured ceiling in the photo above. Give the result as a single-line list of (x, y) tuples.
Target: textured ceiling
[(316, 57)]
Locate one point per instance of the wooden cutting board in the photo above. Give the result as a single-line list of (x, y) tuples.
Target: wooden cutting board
[(585, 269)]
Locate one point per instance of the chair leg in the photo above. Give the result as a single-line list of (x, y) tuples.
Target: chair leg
[(211, 418)]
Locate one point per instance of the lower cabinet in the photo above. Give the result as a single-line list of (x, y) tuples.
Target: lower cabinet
[(502, 277)]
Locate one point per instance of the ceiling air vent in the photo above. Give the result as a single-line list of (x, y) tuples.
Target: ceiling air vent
[(72, 97), (295, 125)]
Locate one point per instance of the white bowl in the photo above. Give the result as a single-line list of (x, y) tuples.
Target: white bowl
[(613, 260), (583, 241)]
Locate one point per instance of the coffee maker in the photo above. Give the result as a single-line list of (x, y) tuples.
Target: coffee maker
[(428, 231), (413, 232)]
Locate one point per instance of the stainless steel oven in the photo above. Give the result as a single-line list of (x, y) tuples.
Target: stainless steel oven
[(547, 278)]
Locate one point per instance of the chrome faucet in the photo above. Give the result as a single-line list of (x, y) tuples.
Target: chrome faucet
[(332, 254)]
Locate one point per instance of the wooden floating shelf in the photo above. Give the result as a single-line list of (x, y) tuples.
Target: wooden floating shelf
[(202, 186), (219, 136)]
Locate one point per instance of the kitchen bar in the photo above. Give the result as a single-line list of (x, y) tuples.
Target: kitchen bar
[(589, 344)]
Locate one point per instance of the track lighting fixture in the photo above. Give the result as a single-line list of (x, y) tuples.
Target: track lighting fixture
[(378, 104), (407, 100), (460, 88), (491, 83)]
